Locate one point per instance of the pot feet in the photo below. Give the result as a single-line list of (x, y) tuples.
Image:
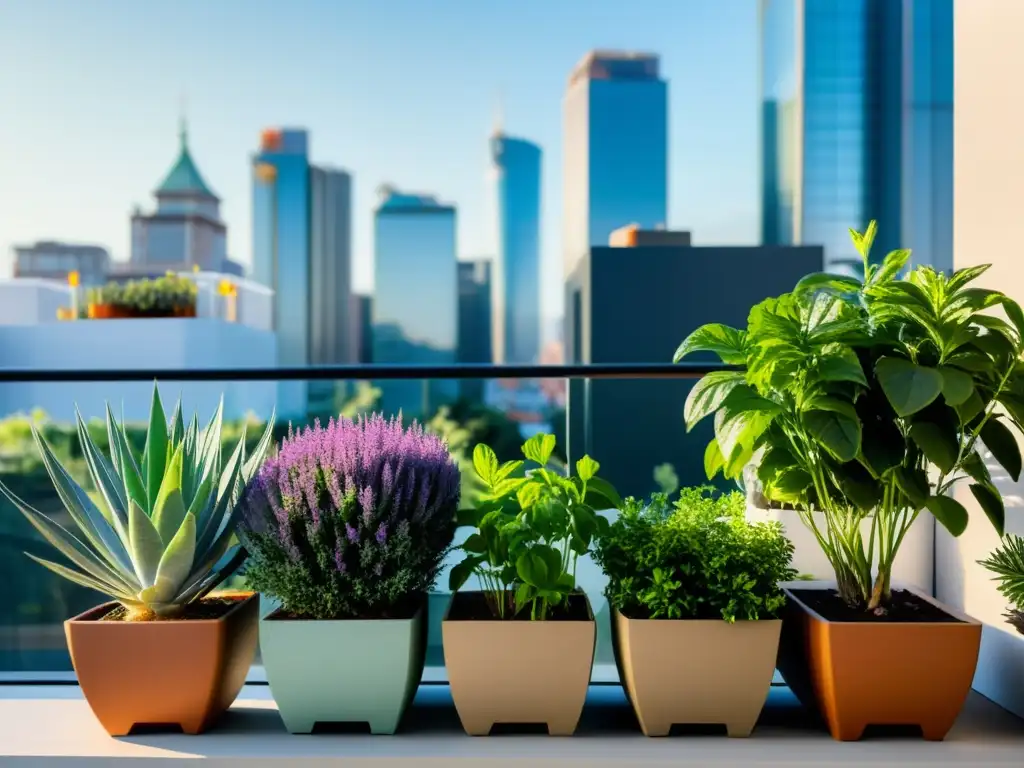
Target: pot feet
[(555, 727), (657, 729), (123, 728)]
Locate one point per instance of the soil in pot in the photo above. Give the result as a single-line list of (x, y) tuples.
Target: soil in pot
[(169, 673), (905, 607), (477, 606), (313, 689), (544, 678), (911, 666), (212, 608)]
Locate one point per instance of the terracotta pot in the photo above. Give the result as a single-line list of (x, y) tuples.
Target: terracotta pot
[(105, 312), (343, 671), (184, 673), (185, 311), (519, 671), (692, 672), (865, 673)]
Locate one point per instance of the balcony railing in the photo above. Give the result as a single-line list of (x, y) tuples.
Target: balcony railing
[(628, 416)]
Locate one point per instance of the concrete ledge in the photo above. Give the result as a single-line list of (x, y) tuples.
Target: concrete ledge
[(52, 725)]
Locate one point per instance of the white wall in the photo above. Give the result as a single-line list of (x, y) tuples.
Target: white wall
[(191, 344), (30, 301), (988, 193)]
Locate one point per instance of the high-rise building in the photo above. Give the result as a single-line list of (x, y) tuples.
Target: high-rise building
[(281, 216), (615, 145), (516, 272), (55, 261), (185, 230), (475, 321), (330, 268), (857, 124), (659, 303), (415, 303)]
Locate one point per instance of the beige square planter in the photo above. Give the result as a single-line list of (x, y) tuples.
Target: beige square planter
[(696, 672), (518, 672)]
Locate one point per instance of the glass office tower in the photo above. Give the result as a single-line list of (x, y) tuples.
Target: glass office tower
[(281, 222), (415, 304), (854, 125), (516, 273), (615, 145)]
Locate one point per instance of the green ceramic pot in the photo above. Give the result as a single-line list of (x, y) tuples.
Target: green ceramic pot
[(343, 671)]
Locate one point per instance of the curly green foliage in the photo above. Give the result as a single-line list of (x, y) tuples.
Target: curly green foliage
[(1007, 563), (865, 400), (698, 558), (161, 296)]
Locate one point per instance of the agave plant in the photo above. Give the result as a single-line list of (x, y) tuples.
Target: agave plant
[(166, 535)]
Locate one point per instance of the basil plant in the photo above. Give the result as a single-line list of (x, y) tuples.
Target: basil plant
[(867, 400), (161, 533)]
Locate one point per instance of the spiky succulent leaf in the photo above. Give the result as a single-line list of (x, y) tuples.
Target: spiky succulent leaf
[(166, 535)]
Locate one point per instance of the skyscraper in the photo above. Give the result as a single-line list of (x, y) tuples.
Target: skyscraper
[(516, 273), (281, 238), (330, 268), (476, 318), (616, 149), (857, 125), (415, 303)]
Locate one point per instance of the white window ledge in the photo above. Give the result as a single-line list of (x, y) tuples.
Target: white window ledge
[(51, 725)]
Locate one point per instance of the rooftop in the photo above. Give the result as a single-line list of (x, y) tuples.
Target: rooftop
[(184, 177), (616, 65), (391, 199)]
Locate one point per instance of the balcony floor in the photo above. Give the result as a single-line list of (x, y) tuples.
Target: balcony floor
[(46, 725)]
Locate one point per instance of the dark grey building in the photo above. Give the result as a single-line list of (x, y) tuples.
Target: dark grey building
[(474, 344), (634, 305), (362, 328)]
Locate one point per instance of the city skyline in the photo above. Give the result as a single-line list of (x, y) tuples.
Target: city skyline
[(108, 162)]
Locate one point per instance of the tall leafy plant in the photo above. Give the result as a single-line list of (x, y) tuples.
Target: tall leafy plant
[(867, 400)]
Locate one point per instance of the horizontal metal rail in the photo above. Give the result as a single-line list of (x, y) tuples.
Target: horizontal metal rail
[(381, 372)]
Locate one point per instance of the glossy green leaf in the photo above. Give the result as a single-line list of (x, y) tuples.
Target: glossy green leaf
[(834, 423), (938, 444), (908, 386), (708, 395), (1013, 311), (950, 512), (914, 484), (992, 505), (713, 459), (957, 386), (891, 266), (586, 468), (974, 466), (842, 365), (824, 281), (539, 448), (461, 572), (532, 568), (1003, 445), (970, 408), (726, 342)]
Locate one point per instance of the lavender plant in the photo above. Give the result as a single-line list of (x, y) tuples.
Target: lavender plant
[(351, 520)]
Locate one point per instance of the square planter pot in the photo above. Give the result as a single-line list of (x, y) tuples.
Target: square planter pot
[(518, 671), (184, 673), (692, 672), (344, 671), (861, 673)]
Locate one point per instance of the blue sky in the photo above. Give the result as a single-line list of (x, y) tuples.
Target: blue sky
[(403, 91)]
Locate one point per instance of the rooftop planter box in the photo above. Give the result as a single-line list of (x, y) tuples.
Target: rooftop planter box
[(696, 601), (347, 528), (168, 296), (167, 652), (860, 403), (521, 650)]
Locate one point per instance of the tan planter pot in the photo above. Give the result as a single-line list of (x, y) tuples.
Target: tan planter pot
[(518, 672), (861, 673), (697, 672)]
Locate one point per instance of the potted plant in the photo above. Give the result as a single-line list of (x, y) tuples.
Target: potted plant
[(1007, 565), (869, 399), (695, 597), (521, 649), (166, 651), (347, 528), (167, 296)]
